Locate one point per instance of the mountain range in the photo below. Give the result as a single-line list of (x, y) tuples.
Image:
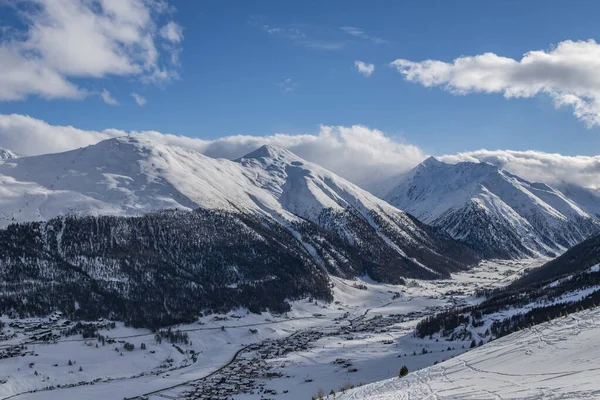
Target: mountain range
[(253, 232), (131, 205)]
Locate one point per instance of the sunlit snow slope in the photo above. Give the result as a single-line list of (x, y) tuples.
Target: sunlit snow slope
[(559, 359), (131, 175)]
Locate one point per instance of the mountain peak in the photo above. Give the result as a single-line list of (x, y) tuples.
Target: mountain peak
[(431, 162), (270, 151)]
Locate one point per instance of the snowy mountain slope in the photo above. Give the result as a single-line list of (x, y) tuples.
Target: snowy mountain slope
[(587, 199), (497, 213), (131, 176), (559, 359)]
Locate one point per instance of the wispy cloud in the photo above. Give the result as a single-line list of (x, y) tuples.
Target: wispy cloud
[(108, 99), (568, 73), (139, 99), (363, 68), (297, 35), (288, 85), (323, 44), (359, 33)]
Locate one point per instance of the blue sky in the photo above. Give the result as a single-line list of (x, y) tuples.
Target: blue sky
[(258, 68)]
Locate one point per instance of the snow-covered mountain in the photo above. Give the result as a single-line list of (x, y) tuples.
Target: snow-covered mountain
[(131, 176), (495, 212), (6, 154)]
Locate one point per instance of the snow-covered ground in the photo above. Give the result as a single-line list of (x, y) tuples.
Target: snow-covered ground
[(559, 359), (367, 329)]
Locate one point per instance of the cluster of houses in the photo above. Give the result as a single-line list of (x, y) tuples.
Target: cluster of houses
[(252, 368)]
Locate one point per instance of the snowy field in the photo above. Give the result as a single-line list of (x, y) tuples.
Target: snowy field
[(364, 336), (559, 359)]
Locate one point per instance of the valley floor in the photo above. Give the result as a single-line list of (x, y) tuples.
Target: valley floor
[(365, 336)]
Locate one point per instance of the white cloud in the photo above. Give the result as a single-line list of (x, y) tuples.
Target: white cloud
[(358, 153), (359, 33), (140, 100), (66, 39), (108, 99), (365, 69), (172, 32), (567, 72), (536, 166), (30, 136)]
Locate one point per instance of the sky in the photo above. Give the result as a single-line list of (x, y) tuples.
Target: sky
[(391, 79)]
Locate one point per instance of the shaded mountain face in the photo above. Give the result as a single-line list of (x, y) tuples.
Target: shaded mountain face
[(587, 199), (496, 213), (577, 260), (158, 269)]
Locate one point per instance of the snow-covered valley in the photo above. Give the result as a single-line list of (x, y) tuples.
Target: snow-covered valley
[(363, 336)]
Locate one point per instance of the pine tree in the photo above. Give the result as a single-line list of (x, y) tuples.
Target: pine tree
[(403, 371)]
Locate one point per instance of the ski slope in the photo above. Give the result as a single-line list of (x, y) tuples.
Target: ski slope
[(559, 359)]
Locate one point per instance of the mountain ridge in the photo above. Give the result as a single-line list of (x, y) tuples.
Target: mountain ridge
[(494, 211)]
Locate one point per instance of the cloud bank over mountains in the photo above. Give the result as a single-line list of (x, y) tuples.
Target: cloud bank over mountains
[(357, 153)]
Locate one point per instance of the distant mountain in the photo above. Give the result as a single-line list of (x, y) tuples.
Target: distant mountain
[(6, 154), (495, 212)]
